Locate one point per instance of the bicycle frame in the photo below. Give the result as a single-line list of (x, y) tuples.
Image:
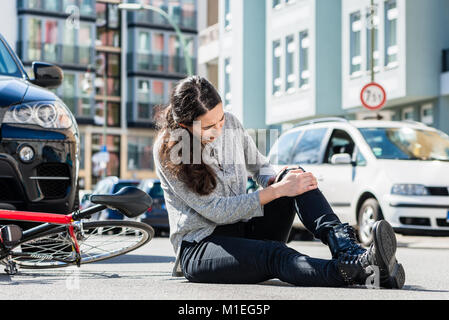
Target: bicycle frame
[(51, 221)]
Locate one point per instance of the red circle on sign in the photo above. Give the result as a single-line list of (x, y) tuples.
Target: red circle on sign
[(383, 101)]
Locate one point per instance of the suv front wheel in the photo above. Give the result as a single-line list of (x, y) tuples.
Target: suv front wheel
[(368, 214)]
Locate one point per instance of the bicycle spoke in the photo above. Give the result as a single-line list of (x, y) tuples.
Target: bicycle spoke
[(99, 240)]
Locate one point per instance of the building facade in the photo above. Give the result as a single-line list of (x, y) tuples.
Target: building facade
[(118, 67), (410, 39), (319, 59), (303, 51)]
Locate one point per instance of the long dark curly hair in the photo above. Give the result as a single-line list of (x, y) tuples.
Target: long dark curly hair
[(190, 99)]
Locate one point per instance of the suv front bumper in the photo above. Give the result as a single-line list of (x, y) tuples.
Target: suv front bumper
[(45, 184)]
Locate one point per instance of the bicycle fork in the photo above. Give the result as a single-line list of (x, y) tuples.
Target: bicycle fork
[(75, 244)]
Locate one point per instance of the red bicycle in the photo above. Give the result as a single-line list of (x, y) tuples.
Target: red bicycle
[(64, 240)]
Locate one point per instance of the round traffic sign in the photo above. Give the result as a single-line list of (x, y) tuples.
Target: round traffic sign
[(373, 96)]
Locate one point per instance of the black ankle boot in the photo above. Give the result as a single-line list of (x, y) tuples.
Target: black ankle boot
[(378, 261), (341, 239)]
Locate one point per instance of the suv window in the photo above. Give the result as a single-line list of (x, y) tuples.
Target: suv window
[(340, 142), (307, 151), (7, 64), (282, 149)]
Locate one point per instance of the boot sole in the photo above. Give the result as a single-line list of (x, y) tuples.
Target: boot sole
[(385, 241)]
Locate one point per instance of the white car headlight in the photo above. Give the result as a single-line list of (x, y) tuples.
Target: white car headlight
[(409, 190), (52, 114)]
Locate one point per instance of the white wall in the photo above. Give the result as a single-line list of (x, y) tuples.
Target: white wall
[(231, 46)]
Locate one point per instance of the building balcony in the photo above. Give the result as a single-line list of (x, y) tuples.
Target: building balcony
[(64, 55), (185, 19), (85, 8), (209, 44), (158, 64)]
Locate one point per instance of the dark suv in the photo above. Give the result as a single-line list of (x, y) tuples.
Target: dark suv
[(39, 139)]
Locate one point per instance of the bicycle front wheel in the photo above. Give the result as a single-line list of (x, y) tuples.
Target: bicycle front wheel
[(98, 240)]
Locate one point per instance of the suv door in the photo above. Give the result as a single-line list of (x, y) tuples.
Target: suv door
[(337, 181)]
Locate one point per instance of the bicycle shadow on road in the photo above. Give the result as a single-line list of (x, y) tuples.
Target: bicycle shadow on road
[(135, 258)]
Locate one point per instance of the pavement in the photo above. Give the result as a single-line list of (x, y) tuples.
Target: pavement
[(145, 274)]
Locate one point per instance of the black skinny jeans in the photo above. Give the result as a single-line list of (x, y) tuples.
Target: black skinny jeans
[(256, 251)]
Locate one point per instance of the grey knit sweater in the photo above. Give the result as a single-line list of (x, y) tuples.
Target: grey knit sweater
[(193, 217)]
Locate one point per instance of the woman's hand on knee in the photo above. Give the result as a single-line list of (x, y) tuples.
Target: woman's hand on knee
[(297, 182)]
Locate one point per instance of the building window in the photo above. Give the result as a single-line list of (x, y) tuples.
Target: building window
[(277, 55), (408, 114), (227, 83), (50, 40), (174, 54), (157, 92), (113, 165), (355, 44), (34, 39), (143, 100), (228, 15), (304, 70), (109, 63), (427, 114), (376, 53), (391, 41), (290, 76), (108, 24), (68, 91), (140, 153), (150, 93), (77, 93), (189, 14)]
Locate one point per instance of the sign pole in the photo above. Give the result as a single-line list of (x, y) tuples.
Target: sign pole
[(373, 43)]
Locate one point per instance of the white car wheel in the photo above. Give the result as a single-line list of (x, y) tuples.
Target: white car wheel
[(369, 213)]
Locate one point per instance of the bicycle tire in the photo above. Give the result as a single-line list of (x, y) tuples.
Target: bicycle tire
[(55, 250)]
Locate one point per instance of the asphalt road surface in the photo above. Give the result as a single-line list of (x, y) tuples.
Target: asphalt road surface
[(146, 274)]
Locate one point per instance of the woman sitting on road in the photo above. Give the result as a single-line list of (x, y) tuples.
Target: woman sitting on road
[(221, 234)]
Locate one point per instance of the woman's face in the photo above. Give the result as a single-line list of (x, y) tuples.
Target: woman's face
[(210, 125)]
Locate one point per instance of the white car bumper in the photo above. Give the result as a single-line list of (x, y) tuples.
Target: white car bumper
[(419, 213)]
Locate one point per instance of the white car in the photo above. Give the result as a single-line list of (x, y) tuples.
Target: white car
[(371, 169)]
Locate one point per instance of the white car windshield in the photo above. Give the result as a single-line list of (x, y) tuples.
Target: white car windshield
[(407, 143)]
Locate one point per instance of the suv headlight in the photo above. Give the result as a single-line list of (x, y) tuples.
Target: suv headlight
[(409, 190), (53, 114)]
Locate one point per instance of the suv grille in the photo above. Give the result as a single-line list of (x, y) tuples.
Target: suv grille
[(53, 189)]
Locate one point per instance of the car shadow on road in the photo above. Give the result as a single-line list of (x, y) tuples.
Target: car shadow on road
[(417, 288)]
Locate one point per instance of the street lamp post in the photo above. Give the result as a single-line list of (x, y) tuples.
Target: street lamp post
[(139, 7)]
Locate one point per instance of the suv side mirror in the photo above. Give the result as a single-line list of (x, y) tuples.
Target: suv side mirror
[(342, 158), (47, 75)]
